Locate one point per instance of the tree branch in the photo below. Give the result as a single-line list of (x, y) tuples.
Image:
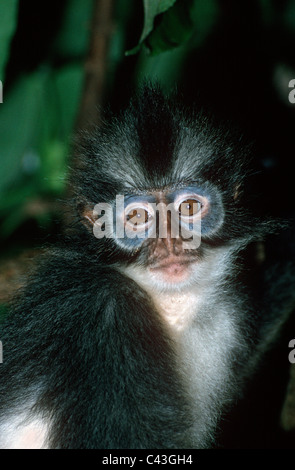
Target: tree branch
[(96, 64)]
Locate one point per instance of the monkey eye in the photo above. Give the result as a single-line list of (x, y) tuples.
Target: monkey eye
[(189, 207), (138, 217)]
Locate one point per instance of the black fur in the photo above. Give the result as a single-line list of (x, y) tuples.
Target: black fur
[(87, 343), (75, 335)]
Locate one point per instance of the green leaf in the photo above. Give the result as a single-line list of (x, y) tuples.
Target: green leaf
[(36, 122), (182, 21), (73, 38), (175, 28), (8, 20), (54, 157), (68, 83), (40, 110), (187, 19), (58, 115), (20, 125), (152, 8), (166, 60)]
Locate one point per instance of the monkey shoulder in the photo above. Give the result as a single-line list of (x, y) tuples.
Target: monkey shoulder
[(66, 287), (63, 269)]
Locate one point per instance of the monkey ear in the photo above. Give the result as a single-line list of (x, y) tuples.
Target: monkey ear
[(87, 215)]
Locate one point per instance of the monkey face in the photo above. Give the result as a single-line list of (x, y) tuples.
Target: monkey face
[(161, 188), (161, 231)]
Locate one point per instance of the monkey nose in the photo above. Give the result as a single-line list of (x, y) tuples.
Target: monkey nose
[(168, 246)]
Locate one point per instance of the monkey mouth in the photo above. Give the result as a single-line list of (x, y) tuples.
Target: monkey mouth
[(172, 270)]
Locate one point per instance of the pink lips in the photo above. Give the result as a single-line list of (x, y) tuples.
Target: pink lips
[(172, 270)]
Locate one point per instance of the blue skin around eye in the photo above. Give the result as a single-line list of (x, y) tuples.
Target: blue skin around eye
[(211, 221), (135, 242), (209, 224)]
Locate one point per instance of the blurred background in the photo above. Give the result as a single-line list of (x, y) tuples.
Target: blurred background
[(62, 61)]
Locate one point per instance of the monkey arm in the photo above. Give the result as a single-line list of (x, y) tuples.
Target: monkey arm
[(112, 348)]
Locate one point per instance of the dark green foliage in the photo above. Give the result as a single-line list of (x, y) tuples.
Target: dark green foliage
[(42, 54), (38, 111)]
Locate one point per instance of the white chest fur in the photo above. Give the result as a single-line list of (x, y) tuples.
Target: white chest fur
[(19, 432), (177, 309)]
